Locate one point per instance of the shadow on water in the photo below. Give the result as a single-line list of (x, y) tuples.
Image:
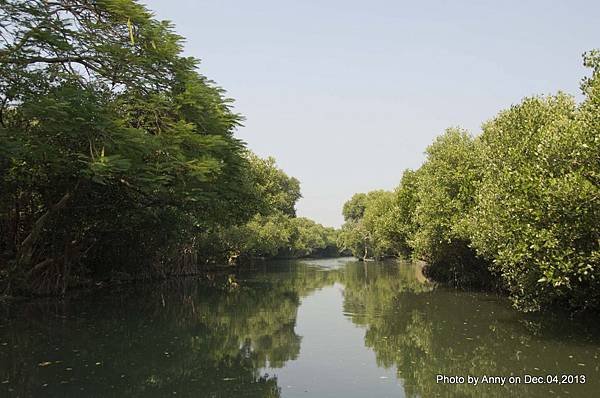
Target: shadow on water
[(193, 338)]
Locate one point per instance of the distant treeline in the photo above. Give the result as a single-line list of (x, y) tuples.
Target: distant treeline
[(118, 159), (273, 231), (517, 207)]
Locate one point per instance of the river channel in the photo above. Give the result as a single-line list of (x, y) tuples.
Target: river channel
[(300, 328)]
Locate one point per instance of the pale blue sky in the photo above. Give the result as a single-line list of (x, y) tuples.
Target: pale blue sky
[(347, 94)]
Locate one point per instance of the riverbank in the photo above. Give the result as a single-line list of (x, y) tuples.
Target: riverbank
[(209, 272)]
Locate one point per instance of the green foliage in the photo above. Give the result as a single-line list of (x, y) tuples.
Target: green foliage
[(279, 235), (116, 155), (278, 191), (445, 193), (354, 209), (368, 231), (538, 207), (310, 239), (403, 220), (267, 235), (379, 217), (517, 207), (354, 237), (274, 231)]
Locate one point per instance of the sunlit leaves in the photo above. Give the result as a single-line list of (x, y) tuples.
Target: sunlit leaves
[(521, 200), (537, 214), (100, 104)]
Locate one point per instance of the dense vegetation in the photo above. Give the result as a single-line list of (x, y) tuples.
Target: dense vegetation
[(118, 159), (516, 207), (274, 231)]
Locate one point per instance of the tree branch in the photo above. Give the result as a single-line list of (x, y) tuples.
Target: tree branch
[(85, 61)]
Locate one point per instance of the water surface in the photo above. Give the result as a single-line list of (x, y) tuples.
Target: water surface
[(318, 328)]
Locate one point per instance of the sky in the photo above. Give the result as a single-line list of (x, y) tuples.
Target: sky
[(347, 94)]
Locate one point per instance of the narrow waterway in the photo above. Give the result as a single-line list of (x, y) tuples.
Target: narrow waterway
[(319, 328)]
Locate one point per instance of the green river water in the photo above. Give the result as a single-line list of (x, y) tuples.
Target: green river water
[(302, 328)]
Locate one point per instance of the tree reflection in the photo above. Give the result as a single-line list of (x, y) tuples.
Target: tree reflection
[(214, 339), (181, 337), (424, 333)]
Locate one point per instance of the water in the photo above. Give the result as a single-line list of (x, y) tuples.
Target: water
[(319, 328)]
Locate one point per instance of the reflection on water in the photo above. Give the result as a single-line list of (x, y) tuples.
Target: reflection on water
[(337, 328)]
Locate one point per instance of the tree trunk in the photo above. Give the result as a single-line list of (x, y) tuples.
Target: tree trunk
[(27, 246)]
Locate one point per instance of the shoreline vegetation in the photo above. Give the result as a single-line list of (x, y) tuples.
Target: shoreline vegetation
[(514, 209), (119, 161)]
